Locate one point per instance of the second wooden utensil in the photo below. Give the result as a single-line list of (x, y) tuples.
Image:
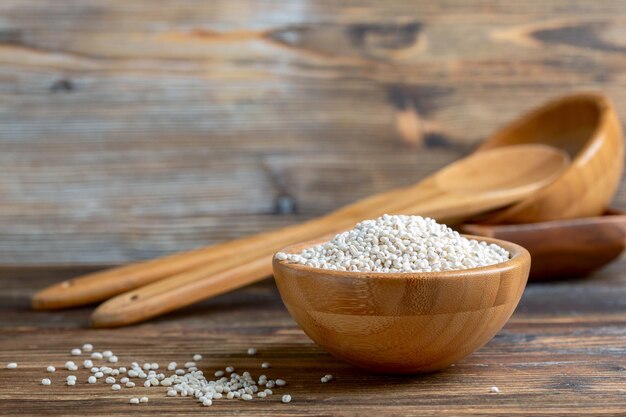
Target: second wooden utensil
[(466, 188), (563, 248)]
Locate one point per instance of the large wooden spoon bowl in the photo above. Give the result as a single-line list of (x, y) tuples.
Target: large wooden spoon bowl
[(403, 323), (584, 125)]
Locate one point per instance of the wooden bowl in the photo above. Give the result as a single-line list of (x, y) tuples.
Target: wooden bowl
[(587, 127), (403, 323), (564, 248)]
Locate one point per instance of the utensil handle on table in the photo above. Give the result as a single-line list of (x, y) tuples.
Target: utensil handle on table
[(166, 295)]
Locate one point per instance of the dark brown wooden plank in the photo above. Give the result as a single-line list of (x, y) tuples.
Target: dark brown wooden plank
[(130, 131), (561, 354)]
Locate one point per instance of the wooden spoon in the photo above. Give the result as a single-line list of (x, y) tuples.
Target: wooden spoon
[(476, 184), (584, 125), (564, 248)]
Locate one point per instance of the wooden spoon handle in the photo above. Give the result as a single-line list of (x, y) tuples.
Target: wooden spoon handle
[(167, 295)]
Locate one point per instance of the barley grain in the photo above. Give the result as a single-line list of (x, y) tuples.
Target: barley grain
[(399, 244)]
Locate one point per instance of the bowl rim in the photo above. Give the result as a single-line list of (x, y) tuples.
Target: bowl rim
[(519, 256)]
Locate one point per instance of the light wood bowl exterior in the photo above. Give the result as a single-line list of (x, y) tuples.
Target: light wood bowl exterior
[(587, 127), (403, 323)]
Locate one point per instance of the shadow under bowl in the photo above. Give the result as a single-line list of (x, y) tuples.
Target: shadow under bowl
[(403, 323)]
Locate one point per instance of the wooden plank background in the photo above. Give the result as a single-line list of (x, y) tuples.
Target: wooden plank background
[(131, 129)]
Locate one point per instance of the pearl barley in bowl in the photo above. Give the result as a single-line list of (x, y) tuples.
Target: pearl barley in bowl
[(446, 296)]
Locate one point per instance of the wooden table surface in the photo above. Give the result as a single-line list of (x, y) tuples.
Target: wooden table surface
[(562, 353), (133, 129)]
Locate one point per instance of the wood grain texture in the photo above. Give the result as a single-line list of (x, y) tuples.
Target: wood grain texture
[(406, 323), (562, 353), (131, 131)]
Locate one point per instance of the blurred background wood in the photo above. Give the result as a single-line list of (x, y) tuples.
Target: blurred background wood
[(131, 130)]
